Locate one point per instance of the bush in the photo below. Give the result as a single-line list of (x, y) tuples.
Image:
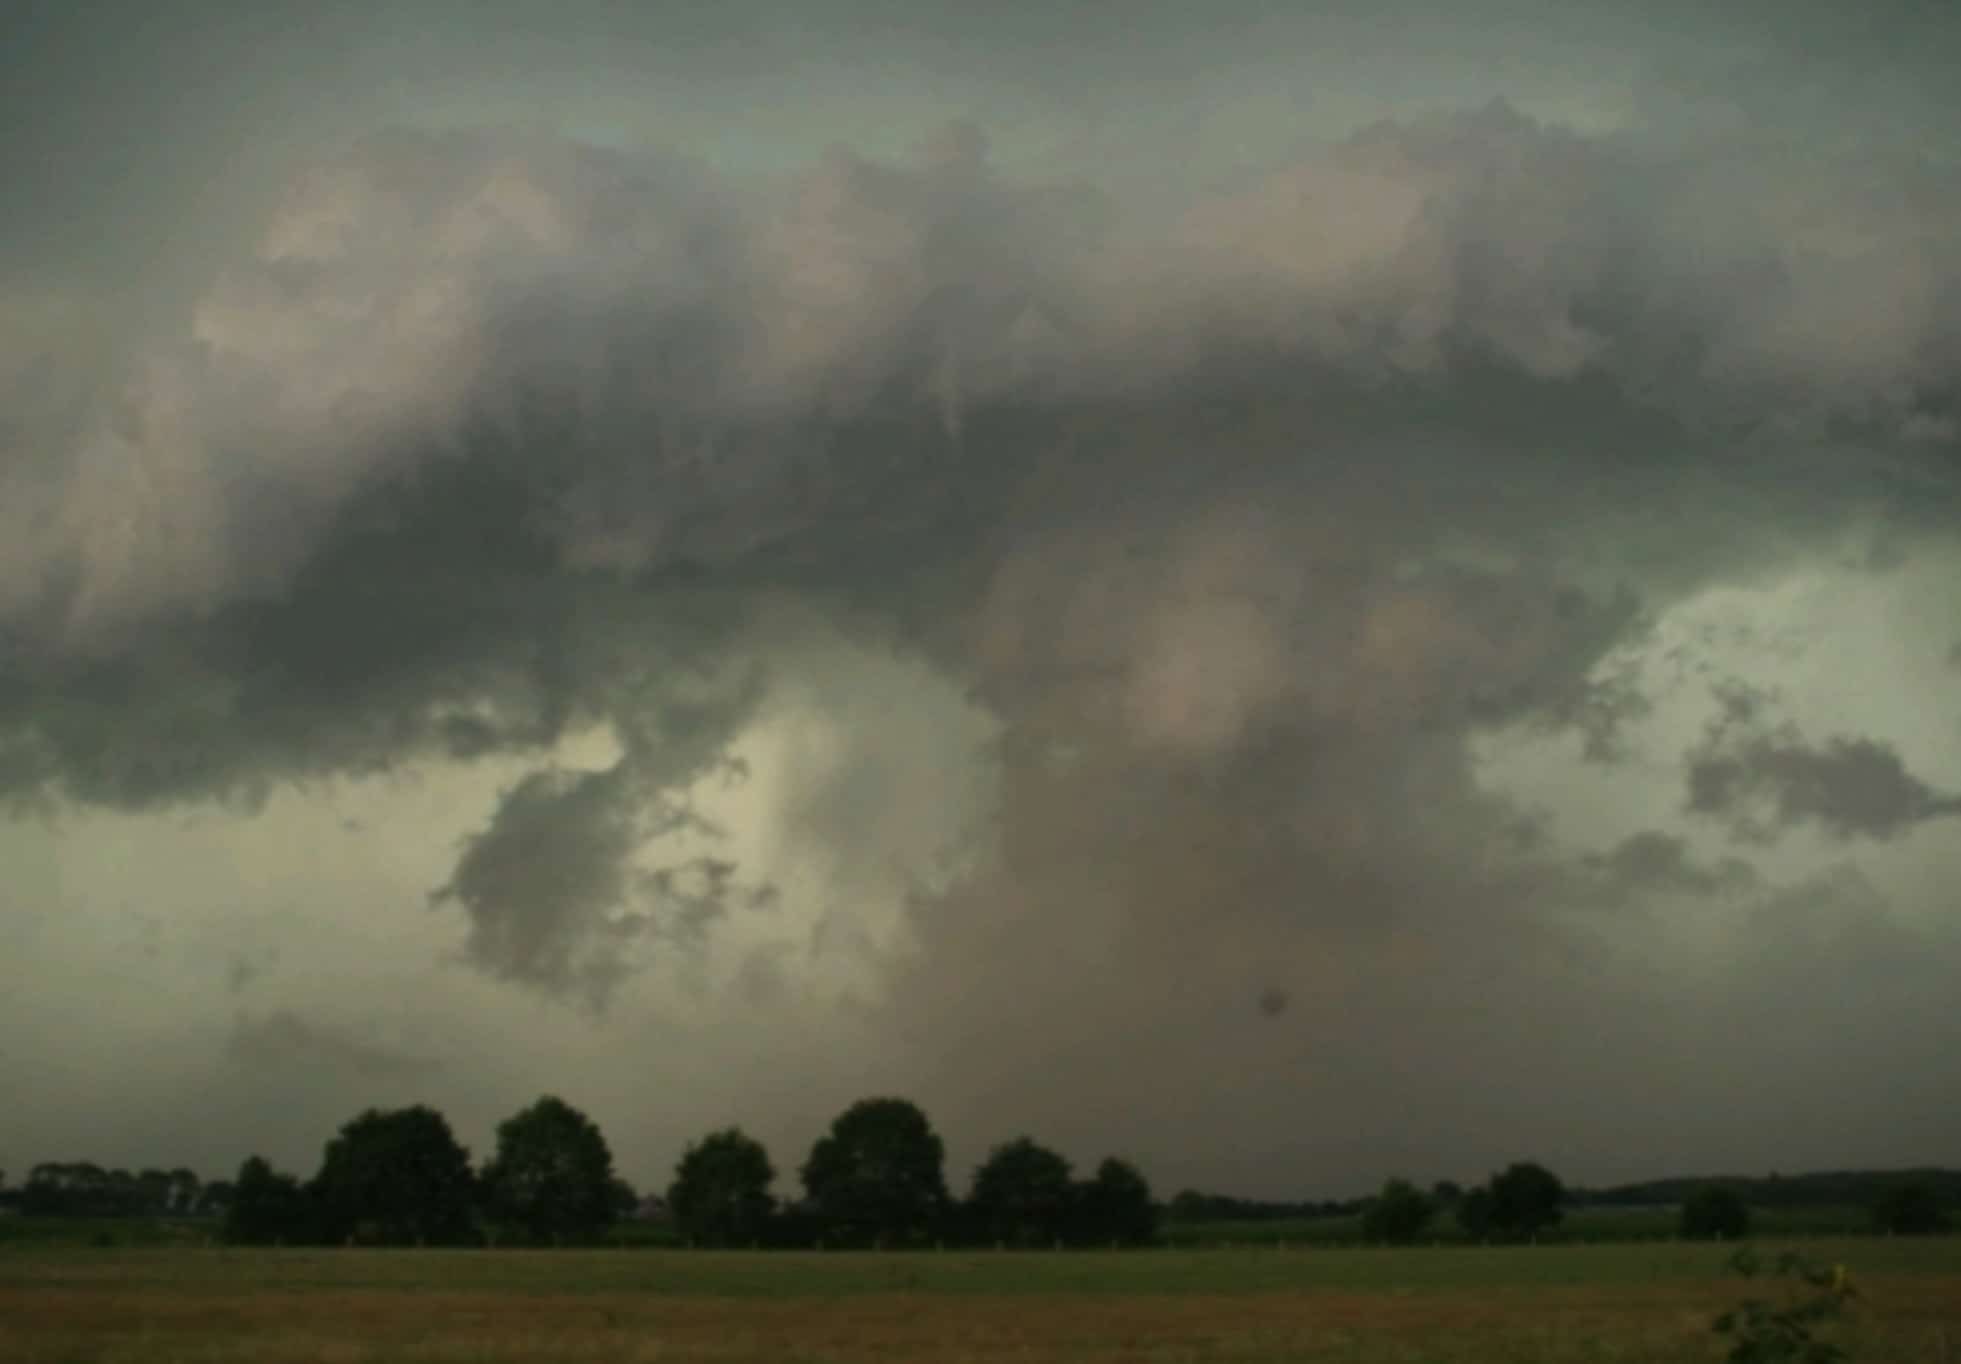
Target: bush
[(1398, 1214), (1909, 1210), (1714, 1212), (1763, 1332)]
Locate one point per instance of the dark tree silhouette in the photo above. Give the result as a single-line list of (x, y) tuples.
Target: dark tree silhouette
[(1115, 1205), (266, 1207), (1398, 1214), (1525, 1200), (1022, 1194), (1912, 1209), (396, 1178), (878, 1176), (720, 1194), (552, 1175), (1474, 1213), (216, 1197), (1715, 1212)]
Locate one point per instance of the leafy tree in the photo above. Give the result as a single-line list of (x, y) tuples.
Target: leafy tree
[(266, 1207), (878, 1175), (216, 1197), (1474, 1213), (1715, 1211), (552, 1174), (626, 1199), (1525, 1200), (396, 1178), (154, 1192), (1022, 1194), (1912, 1209), (1445, 1193), (1398, 1214), (720, 1194), (1115, 1205)]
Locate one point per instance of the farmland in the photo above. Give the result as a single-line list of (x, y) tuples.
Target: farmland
[(1625, 1302)]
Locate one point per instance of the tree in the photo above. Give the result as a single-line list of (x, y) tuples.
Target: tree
[(215, 1198), (1445, 1193), (184, 1190), (552, 1174), (626, 1199), (1474, 1213), (720, 1194), (1717, 1212), (396, 1178), (1398, 1214), (1912, 1209), (1525, 1200), (878, 1175), (1116, 1205), (266, 1208), (1022, 1194)]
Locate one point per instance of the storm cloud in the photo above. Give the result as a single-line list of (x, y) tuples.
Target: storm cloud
[(1763, 779), (1126, 579)]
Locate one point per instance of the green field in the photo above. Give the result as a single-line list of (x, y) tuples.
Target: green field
[(1628, 1302)]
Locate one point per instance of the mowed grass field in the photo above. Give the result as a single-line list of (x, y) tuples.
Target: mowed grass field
[(1650, 1302)]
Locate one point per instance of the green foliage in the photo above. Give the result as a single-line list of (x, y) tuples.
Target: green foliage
[(1022, 1194), (1526, 1199), (1763, 1332), (1715, 1212), (396, 1178), (1911, 1209), (267, 1208), (720, 1194), (878, 1176), (552, 1175), (1398, 1214)]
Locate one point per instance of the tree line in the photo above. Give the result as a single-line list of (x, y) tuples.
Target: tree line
[(875, 1178), (1526, 1200), (85, 1189)]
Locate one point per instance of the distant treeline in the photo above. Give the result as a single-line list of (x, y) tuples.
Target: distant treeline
[(1189, 1205), (875, 1178), (84, 1189), (399, 1177), (1832, 1188)]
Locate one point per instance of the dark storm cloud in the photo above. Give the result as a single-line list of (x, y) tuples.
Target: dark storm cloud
[(553, 898), (493, 438), (1648, 863), (1243, 517), (546, 885), (1763, 779)]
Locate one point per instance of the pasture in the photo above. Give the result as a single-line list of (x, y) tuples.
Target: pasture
[(1550, 1304)]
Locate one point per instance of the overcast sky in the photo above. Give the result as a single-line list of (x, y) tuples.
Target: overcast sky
[(1317, 594)]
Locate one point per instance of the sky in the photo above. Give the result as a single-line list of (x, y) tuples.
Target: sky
[(1333, 592)]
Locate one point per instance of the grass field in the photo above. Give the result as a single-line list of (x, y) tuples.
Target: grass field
[(1548, 1303)]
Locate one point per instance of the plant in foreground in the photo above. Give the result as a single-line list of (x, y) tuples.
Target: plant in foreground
[(1763, 1332)]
